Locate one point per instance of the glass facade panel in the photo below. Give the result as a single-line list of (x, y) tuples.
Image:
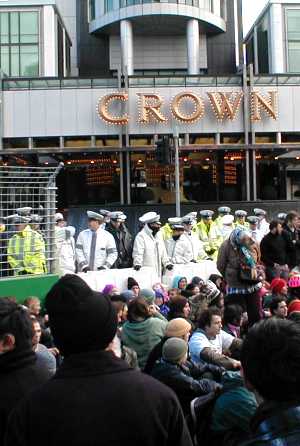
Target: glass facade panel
[(124, 3), (92, 10), (19, 43), (293, 38)]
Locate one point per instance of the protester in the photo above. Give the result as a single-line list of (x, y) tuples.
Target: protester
[(278, 307), (45, 357), (19, 371), (179, 282), (110, 290), (211, 344), (171, 370), (133, 286), (271, 367), (179, 308), (232, 320), (292, 231), (237, 262), (232, 412), (143, 330), (275, 251)]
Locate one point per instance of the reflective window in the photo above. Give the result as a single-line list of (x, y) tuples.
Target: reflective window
[(124, 3), (19, 43), (92, 10), (293, 37)]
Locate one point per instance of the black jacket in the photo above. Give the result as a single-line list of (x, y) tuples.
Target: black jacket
[(180, 380), (294, 246), (274, 249), (96, 399), (124, 244), (19, 375)]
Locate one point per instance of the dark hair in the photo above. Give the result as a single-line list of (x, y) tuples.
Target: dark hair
[(232, 314), (271, 359), (118, 305), (274, 224), (291, 215), (138, 309), (176, 308), (118, 298), (197, 281), (15, 320), (207, 315), (189, 291), (275, 303)]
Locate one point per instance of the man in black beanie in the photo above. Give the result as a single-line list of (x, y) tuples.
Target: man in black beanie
[(95, 398)]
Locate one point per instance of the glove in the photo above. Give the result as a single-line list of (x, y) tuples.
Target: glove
[(137, 267), (86, 269), (101, 268), (194, 261), (169, 267)]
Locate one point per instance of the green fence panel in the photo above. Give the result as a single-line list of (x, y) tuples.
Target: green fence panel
[(23, 287)]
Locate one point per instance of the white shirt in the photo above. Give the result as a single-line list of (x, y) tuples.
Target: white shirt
[(200, 341)]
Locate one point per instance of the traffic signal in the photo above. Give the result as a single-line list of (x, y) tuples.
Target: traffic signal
[(163, 150)]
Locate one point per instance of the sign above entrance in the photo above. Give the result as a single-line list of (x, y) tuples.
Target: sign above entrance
[(187, 107)]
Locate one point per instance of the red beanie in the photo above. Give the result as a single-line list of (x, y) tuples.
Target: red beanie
[(277, 285), (294, 307)]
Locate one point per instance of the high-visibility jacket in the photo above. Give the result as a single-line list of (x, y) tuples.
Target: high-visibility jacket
[(166, 232), (26, 252), (210, 237), (245, 225)]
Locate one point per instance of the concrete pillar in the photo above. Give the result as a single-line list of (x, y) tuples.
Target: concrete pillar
[(277, 62), (193, 46), (127, 47)]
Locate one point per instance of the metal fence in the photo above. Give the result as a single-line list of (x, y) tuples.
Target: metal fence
[(27, 225)]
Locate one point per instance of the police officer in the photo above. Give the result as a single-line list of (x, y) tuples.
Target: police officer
[(59, 220), (178, 248), (26, 249), (263, 225), (208, 234), (35, 223), (149, 248), (240, 219), (65, 254), (166, 230), (223, 210), (189, 222), (95, 248), (123, 239), (256, 234), (106, 217), (226, 226)]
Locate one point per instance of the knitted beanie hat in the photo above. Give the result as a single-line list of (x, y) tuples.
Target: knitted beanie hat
[(174, 350), (177, 328)]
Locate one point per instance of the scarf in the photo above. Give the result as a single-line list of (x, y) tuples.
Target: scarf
[(236, 239)]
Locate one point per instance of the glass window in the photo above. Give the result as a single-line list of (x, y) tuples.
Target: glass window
[(92, 10), (19, 43), (293, 37)]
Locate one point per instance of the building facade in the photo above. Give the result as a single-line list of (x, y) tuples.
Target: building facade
[(149, 69), (273, 42)]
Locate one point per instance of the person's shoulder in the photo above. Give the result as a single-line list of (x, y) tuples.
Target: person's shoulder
[(224, 335)]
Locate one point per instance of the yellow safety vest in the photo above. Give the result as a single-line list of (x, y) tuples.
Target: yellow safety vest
[(26, 252)]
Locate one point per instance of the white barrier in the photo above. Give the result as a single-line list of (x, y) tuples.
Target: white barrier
[(203, 269), (97, 280)]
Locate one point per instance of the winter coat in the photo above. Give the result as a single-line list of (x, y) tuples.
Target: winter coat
[(179, 379), (19, 375), (105, 250), (197, 246), (229, 263), (65, 252), (150, 251), (235, 406), (96, 399), (210, 237), (274, 249), (124, 244), (143, 336), (276, 424), (179, 251), (293, 255)]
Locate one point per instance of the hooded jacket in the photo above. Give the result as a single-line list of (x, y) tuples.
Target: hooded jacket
[(143, 336)]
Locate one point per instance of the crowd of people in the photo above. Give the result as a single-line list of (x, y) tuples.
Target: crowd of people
[(205, 361)]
